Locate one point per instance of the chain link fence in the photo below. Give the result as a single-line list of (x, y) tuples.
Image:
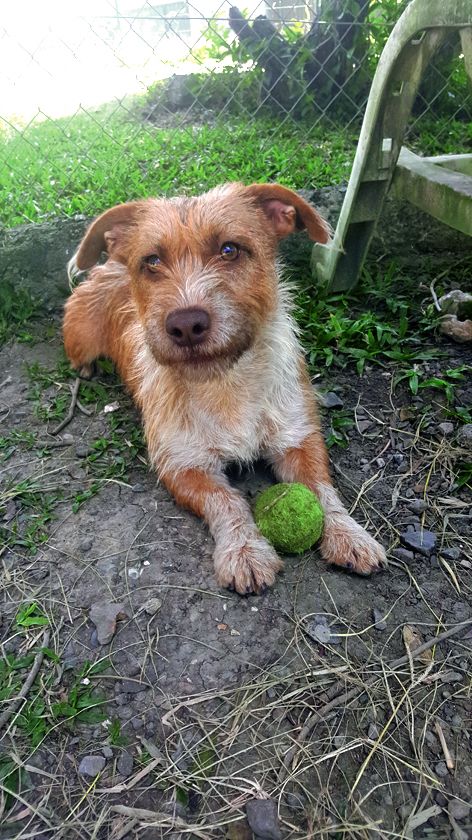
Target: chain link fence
[(149, 81)]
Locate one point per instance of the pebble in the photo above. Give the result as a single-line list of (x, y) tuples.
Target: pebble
[(446, 428), (86, 545), (464, 436), (137, 723), (380, 623), (456, 720), (138, 488), (91, 765), (132, 686), (321, 633), (441, 769), (422, 542), (373, 732), (331, 400), (458, 810), (263, 818), (380, 462), (364, 425), (107, 752), (82, 450), (152, 606), (403, 554), (125, 764), (450, 553), (417, 505), (105, 615)]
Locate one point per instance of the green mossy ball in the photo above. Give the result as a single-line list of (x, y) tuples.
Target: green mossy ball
[(290, 517)]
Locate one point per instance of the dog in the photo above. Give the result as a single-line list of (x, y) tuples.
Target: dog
[(191, 308)]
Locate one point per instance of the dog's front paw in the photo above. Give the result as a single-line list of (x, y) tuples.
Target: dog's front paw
[(248, 566), (347, 544)]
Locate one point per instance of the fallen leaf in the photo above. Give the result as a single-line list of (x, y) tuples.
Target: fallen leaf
[(412, 639)]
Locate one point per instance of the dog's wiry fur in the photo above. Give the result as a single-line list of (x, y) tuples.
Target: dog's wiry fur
[(235, 391)]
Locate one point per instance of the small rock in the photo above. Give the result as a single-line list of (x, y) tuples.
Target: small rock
[(458, 810), (441, 769), (137, 724), (446, 428), (91, 765), (322, 634), (417, 505), (331, 400), (138, 488), (82, 450), (450, 554), (132, 686), (364, 425), (125, 764), (105, 615), (421, 542), (68, 438), (379, 620), (464, 436), (263, 818), (380, 462), (373, 732), (86, 545), (403, 554), (107, 752), (456, 720), (398, 458), (152, 606)]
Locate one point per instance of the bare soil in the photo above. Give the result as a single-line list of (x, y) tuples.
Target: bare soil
[(212, 691)]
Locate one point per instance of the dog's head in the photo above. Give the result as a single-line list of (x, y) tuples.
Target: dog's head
[(202, 269)]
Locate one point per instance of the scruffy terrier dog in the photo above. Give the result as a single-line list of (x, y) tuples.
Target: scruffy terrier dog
[(190, 307)]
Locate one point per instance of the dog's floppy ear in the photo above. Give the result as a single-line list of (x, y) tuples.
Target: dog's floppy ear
[(288, 212), (106, 234)]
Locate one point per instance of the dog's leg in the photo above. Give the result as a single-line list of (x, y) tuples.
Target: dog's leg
[(344, 542), (244, 560)]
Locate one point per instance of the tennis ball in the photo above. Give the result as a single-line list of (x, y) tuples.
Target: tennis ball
[(290, 516)]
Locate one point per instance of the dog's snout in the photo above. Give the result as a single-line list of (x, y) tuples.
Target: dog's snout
[(188, 327)]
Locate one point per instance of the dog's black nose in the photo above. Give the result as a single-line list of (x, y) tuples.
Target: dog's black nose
[(188, 327)]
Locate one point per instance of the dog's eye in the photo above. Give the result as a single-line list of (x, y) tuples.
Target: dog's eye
[(230, 251), (153, 261)]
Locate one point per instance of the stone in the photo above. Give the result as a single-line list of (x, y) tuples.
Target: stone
[(421, 542), (464, 436), (107, 752), (86, 545), (450, 554), (403, 554), (132, 686), (105, 615), (125, 764), (138, 488), (446, 428), (417, 505), (373, 732), (380, 623), (331, 400), (441, 769), (458, 810), (91, 765), (82, 450), (364, 425), (263, 819), (152, 606), (321, 633)]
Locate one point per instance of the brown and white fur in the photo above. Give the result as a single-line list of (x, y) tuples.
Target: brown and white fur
[(226, 385)]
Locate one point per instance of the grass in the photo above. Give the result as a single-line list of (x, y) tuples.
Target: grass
[(89, 162)]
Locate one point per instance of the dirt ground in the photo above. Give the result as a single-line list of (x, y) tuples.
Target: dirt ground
[(211, 700)]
